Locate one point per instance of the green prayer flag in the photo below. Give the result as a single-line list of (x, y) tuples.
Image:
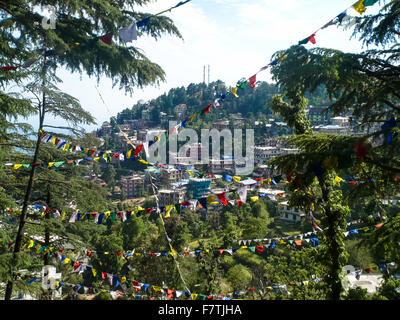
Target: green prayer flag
[(26, 165), (252, 249), (242, 85), (303, 41), (368, 3), (178, 208), (113, 216), (59, 163)]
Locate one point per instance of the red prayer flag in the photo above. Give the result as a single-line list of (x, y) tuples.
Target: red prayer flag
[(220, 251), (312, 39), (222, 198), (76, 265), (9, 68), (297, 242), (170, 291), (107, 38), (88, 252), (138, 149), (360, 149), (103, 275), (259, 249), (207, 109), (239, 203), (118, 254), (252, 81)]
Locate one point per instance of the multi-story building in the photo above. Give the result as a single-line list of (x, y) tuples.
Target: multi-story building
[(106, 129), (199, 187), (167, 197), (220, 125), (133, 185), (319, 115), (169, 175), (341, 121), (221, 165), (333, 129), (180, 110), (289, 214), (263, 153)]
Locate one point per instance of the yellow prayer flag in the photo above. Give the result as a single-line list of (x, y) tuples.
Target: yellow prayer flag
[(106, 252), (30, 244), (191, 118), (50, 164), (156, 288), (66, 146), (54, 141), (338, 179), (282, 242), (254, 199), (168, 209), (210, 199), (143, 161), (266, 182), (123, 279), (234, 92), (94, 272), (194, 296), (63, 215), (359, 6), (66, 261), (96, 159), (16, 166), (190, 172), (128, 153), (236, 178)]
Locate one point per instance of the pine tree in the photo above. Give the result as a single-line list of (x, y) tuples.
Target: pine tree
[(365, 84)]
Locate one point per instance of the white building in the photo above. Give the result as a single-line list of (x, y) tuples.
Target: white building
[(263, 154), (290, 214), (167, 197), (341, 121), (221, 165)]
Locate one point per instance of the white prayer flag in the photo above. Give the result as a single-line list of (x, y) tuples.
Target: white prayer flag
[(128, 34)]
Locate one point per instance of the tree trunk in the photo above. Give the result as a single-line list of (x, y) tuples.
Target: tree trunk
[(334, 248), (27, 198)]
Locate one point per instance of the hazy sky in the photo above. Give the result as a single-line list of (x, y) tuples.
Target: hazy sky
[(235, 37)]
